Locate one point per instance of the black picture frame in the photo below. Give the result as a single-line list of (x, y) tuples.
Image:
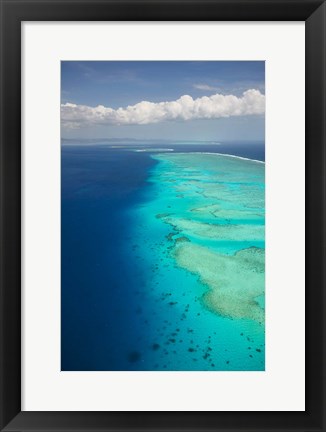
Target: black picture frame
[(13, 13)]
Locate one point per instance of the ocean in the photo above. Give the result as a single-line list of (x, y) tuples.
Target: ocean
[(162, 257)]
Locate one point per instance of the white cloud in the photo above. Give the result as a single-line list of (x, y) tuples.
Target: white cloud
[(204, 87), (185, 108)]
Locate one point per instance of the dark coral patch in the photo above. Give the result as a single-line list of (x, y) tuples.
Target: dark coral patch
[(134, 356), (182, 240)]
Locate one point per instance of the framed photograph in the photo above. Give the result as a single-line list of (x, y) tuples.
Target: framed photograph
[(162, 215)]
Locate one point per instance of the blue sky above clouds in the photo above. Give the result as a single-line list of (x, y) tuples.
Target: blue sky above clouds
[(163, 100)]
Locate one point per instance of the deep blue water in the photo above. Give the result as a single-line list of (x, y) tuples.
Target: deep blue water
[(103, 322)]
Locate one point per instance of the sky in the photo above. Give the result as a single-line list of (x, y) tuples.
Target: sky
[(169, 100)]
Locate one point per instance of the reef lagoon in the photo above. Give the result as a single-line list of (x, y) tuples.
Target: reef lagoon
[(163, 258)]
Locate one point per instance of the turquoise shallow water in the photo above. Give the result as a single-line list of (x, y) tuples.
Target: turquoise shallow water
[(198, 244)]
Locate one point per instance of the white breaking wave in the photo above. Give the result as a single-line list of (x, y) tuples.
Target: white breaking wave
[(229, 155)]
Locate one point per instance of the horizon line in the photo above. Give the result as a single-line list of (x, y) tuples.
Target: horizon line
[(163, 139)]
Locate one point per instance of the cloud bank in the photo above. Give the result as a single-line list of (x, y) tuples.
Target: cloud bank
[(185, 108)]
